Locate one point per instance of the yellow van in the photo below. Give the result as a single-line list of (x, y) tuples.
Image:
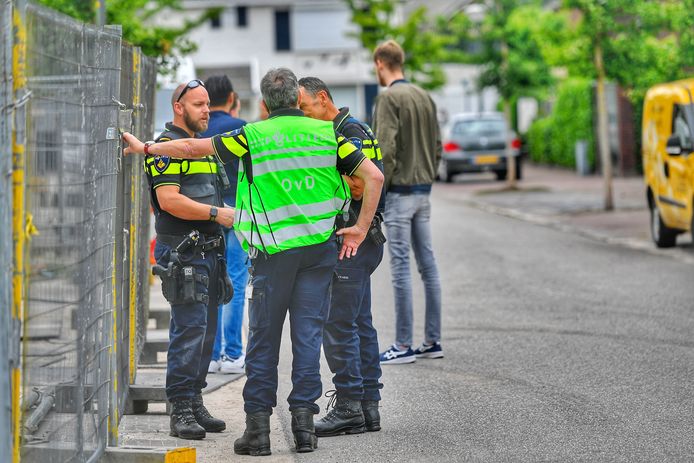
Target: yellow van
[(668, 161)]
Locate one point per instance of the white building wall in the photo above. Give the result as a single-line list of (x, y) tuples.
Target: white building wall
[(321, 46), (461, 95)]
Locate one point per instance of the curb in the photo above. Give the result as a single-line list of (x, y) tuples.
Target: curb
[(555, 223)]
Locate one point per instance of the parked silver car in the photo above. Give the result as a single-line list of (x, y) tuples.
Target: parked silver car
[(478, 142)]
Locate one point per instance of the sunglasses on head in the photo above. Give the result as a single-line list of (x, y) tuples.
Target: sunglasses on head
[(195, 83)]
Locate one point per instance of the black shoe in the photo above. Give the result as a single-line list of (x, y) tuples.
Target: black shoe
[(346, 417), (303, 430), (256, 438), (203, 417), (372, 417), (183, 423)]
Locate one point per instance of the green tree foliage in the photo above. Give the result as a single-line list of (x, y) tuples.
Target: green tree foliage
[(136, 18), (511, 35), (642, 43), (635, 44), (428, 42)]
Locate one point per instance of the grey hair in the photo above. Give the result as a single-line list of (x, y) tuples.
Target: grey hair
[(280, 89), (313, 85)]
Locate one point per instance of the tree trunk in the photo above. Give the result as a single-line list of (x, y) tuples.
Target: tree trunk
[(603, 135), (510, 159)]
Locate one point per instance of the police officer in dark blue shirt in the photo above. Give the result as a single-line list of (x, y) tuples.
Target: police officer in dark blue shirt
[(187, 202), (228, 359), (350, 341)]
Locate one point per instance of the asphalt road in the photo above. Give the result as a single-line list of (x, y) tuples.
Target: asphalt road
[(558, 348)]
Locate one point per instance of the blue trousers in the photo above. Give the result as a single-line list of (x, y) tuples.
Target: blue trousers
[(298, 281), (228, 339), (407, 220), (350, 341), (192, 329)]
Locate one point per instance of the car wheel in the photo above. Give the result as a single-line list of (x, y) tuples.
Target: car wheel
[(663, 236), (444, 174), (519, 170), (501, 175)]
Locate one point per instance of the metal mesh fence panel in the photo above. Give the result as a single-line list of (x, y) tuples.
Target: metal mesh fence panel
[(86, 265), (137, 88), (71, 175)]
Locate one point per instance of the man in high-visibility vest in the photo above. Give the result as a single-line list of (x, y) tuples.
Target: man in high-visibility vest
[(289, 194)]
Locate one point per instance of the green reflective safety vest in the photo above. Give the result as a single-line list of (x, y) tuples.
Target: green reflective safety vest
[(296, 190)]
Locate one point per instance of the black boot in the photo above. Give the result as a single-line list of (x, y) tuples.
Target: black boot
[(183, 422), (203, 417), (346, 417), (256, 438), (303, 430), (372, 417)]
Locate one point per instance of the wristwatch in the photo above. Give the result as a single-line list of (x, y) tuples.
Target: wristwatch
[(213, 214), (147, 145)]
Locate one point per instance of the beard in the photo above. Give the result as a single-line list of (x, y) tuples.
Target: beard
[(196, 126)]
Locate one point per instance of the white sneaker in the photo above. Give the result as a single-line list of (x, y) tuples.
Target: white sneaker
[(214, 366), (233, 366)]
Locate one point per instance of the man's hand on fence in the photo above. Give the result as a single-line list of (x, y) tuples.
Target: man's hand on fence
[(225, 216), (135, 146)]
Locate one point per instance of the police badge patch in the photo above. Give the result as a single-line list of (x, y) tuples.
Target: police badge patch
[(356, 142), (161, 163)]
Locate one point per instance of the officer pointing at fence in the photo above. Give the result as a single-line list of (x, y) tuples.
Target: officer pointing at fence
[(289, 194), (187, 202)]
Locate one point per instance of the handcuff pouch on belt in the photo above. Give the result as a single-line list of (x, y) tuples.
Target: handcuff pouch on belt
[(375, 232)]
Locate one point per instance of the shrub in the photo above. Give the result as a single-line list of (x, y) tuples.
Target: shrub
[(539, 135), (552, 139)]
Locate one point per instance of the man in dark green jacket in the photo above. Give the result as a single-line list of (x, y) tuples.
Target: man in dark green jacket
[(408, 132)]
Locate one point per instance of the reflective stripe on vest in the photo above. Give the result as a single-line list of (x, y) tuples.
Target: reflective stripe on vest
[(296, 191)]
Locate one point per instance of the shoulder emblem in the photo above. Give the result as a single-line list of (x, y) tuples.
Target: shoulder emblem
[(161, 163), (356, 142)]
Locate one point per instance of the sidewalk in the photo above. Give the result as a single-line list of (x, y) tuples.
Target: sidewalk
[(562, 199), (222, 397)]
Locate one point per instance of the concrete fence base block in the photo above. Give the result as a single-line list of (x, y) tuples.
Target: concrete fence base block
[(148, 455)]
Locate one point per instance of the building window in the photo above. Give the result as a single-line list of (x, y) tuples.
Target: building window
[(241, 16), (282, 32), (216, 21)]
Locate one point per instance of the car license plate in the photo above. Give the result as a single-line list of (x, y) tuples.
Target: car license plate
[(487, 159)]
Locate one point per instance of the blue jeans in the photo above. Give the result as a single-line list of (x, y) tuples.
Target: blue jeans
[(350, 341), (193, 327), (407, 219), (297, 280), (231, 314)]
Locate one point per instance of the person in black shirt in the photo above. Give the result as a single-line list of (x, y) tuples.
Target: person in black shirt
[(187, 202), (350, 341)]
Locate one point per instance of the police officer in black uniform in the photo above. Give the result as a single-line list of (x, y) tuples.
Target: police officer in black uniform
[(350, 341), (187, 202)]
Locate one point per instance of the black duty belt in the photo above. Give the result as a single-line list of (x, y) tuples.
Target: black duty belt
[(204, 244)]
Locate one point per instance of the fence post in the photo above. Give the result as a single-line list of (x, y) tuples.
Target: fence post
[(19, 212), (135, 195), (6, 339), (116, 287)]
